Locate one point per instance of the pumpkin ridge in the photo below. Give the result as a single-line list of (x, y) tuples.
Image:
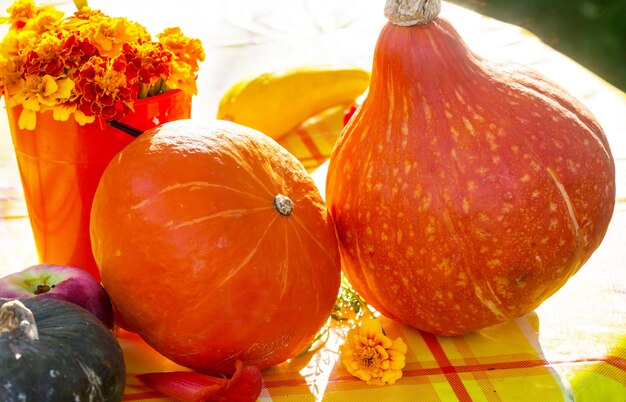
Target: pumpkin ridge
[(221, 214), (550, 176), (204, 184), (578, 254), (568, 202), (534, 81), (572, 113), (95, 383), (365, 283), (282, 271), (482, 289), (548, 168), (232, 148), (244, 261), (304, 228), (370, 283), (287, 259)]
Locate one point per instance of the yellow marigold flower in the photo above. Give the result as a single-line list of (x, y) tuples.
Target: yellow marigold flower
[(179, 78), (55, 90), (83, 18), (22, 12), (19, 12), (35, 92), (44, 21), (372, 356), (16, 40), (63, 112), (109, 34), (187, 53), (82, 119), (27, 120), (185, 49)]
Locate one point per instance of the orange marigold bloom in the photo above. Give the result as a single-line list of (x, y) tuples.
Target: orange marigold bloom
[(45, 58), (109, 34), (23, 12), (104, 88), (372, 356), (188, 53), (77, 51), (186, 50), (148, 61)]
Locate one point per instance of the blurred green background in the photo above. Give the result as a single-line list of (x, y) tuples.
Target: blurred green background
[(591, 32)]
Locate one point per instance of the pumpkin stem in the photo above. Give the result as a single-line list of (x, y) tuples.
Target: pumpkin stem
[(18, 320), (283, 205), (412, 12)]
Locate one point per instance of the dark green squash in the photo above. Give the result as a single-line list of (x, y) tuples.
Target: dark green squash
[(52, 350)]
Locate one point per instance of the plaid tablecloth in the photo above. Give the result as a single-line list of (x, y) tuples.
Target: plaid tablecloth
[(573, 347)]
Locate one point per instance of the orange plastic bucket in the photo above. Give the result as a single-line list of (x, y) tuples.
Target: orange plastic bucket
[(60, 165)]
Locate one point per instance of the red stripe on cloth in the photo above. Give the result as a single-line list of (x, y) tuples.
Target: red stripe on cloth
[(448, 369), (310, 144), (445, 367), (472, 368), (616, 361)]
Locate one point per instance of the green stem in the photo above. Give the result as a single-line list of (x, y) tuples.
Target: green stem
[(80, 4)]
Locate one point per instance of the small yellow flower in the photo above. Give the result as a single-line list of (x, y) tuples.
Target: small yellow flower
[(35, 92), (110, 33), (372, 356), (24, 12), (188, 52), (46, 20)]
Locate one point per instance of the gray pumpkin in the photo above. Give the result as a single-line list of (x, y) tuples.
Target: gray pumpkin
[(52, 350)]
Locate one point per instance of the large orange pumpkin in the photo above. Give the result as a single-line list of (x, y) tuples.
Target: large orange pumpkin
[(464, 192), (215, 246)]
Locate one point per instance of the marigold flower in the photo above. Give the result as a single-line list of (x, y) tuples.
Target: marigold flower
[(35, 93), (372, 356), (23, 12), (44, 58), (104, 88), (76, 51), (186, 50), (149, 62), (109, 34), (187, 53)]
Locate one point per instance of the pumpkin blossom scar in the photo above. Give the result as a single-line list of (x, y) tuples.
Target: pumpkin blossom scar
[(371, 355)]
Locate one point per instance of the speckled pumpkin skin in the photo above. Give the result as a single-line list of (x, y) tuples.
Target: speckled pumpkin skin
[(465, 192)]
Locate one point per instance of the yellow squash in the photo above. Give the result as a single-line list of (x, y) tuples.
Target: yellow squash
[(277, 102)]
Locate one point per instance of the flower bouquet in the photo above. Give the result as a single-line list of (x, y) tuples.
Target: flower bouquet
[(88, 65), (69, 83)]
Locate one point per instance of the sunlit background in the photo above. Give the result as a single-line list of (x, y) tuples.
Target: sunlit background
[(592, 32)]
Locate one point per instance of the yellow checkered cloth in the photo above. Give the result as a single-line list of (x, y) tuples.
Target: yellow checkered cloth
[(572, 348), (313, 140)]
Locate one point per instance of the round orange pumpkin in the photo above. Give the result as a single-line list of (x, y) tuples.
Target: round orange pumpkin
[(215, 245), (464, 192)]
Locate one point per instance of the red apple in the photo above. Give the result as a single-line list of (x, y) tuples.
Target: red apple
[(62, 283)]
